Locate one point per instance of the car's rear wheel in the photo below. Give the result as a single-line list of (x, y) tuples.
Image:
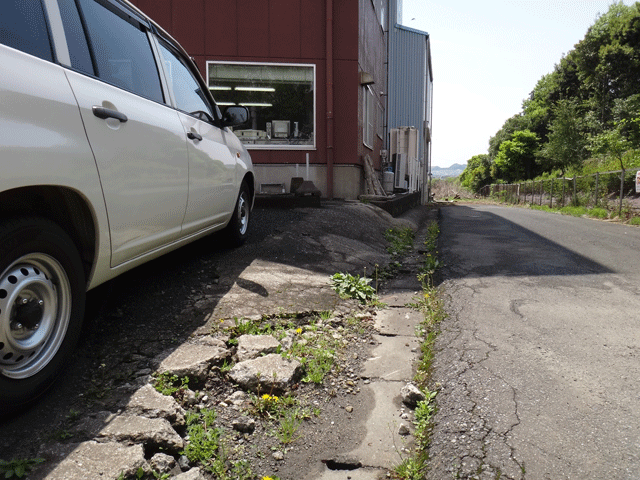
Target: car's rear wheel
[(238, 228), (42, 295)]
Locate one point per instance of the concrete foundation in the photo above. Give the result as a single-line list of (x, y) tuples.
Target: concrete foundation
[(348, 180)]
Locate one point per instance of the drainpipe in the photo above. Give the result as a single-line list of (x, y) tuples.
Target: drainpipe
[(329, 85)]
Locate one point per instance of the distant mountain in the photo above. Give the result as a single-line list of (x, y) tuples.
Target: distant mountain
[(452, 171)]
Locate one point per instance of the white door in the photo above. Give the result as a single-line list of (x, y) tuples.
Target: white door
[(212, 166), (138, 141)]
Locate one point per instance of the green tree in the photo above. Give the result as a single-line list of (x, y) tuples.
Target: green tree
[(516, 158), (608, 59), (477, 173), (613, 143), (626, 112), (513, 124), (566, 146)]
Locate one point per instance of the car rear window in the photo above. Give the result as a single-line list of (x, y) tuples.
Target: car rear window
[(23, 26), (121, 49), (76, 39)]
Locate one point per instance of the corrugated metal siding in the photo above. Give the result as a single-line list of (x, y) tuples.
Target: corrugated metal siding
[(407, 79), (407, 85)]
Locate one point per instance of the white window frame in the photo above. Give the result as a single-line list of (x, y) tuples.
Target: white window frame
[(368, 117), (249, 146)]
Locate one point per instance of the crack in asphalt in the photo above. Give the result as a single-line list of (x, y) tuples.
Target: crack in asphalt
[(474, 440)]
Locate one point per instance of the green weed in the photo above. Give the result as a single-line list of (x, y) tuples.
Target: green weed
[(204, 438), (348, 286), (430, 304), (400, 240), (267, 404), (574, 211), (168, 384), (289, 425), (207, 447), (18, 468), (598, 213)]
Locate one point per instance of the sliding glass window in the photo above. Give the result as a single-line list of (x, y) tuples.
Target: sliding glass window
[(280, 99)]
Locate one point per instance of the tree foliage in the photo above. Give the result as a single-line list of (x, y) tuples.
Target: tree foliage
[(588, 105), (477, 174), (516, 157)]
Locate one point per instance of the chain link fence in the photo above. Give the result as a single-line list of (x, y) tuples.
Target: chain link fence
[(613, 191)]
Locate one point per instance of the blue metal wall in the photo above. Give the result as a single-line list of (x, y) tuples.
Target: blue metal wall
[(410, 81)]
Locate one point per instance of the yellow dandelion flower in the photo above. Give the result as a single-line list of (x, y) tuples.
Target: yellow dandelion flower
[(298, 330)]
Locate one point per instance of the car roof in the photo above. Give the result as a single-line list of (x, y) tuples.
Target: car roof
[(127, 5)]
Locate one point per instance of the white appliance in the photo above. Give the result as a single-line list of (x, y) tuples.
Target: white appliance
[(404, 156), (280, 128)]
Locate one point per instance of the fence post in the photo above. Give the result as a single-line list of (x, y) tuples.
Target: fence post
[(541, 190), (574, 199), (564, 181), (595, 202), (551, 196), (621, 192), (532, 188)]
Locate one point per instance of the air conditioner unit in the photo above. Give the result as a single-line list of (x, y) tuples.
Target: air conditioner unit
[(404, 155), (401, 171)]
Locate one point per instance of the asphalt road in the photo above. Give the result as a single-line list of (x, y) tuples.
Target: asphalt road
[(538, 362)]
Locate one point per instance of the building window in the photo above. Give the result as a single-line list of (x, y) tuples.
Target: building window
[(380, 121), (368, 117), (280, 99)]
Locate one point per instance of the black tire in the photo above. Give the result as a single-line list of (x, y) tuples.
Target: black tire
[(238, 228), (42, 297)]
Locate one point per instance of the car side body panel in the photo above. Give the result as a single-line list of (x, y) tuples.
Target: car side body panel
[(142, 163), (42, 139)]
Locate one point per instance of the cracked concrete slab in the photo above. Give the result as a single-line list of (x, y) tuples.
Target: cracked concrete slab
[(398, 321), (265, 288), (400, 298), (381, 447), (359, 474), (392, 359), (92, 460)]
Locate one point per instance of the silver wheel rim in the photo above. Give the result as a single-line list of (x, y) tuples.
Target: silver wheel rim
[(243, 214), (35, 309)]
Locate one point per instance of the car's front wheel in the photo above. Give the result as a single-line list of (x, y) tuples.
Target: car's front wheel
[(42, 295)]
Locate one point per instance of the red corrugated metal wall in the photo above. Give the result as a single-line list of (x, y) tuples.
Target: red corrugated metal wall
[(283, 31)]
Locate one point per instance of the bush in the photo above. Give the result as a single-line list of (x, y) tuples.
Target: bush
[(600, 213)]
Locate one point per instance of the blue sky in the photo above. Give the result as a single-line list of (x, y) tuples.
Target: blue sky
[(487, 58)]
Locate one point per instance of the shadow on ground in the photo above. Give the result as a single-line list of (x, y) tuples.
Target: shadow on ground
[(158, 306)]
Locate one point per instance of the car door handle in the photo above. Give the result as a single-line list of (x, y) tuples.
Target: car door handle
[(194, 136), (105, 113)]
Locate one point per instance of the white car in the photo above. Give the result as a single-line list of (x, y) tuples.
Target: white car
[(113, 152)]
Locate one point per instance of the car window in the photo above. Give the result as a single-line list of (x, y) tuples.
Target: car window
[(121, 50), (187, 91), (23, 26), (76, 40)]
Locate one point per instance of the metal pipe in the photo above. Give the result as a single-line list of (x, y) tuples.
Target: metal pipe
[(621, 192), (329, 93)]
